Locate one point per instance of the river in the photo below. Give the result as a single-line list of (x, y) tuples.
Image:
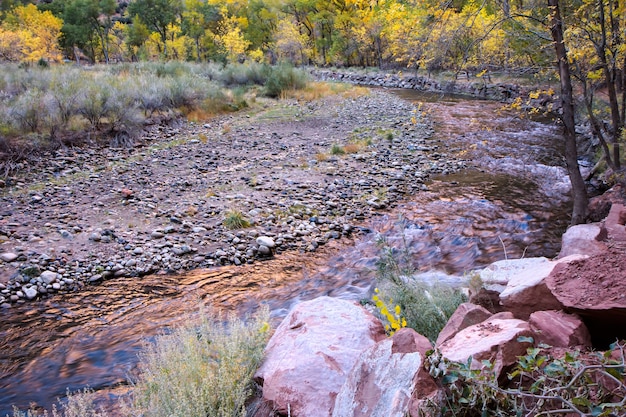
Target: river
[(512, 204)]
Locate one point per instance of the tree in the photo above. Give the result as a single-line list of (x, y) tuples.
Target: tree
[(31, 34), (157, 15), (87, 24), (579, 193), (290, 44)]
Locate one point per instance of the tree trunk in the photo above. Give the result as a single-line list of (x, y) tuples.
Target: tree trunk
[(579, 191)]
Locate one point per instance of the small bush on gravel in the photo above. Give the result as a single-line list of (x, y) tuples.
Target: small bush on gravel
[(200, 370), (235, 219)]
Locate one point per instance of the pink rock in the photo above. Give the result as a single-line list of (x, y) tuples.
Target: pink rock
[(494, 340), (595, 289), (467, 314), (558, 329), (387, 377), (527, 292), (583, 239), (311, 353), (615, 222)]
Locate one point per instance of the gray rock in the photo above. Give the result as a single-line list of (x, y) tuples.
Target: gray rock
[(30, 292), (48, 277), (265, 241), (8, 256), (264, 250), (138, 251), (157, 234)]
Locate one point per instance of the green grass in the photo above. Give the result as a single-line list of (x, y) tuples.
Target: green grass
[(234, 219)]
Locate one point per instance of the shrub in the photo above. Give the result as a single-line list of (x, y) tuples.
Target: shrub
[(202, 370), (336, 149), (78, 404), (573, 383), (282, 78), (234, 219)]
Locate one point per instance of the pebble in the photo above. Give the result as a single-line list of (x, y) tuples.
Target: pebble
[(48, 277), (265, 241), (290, 213), (8, 256)]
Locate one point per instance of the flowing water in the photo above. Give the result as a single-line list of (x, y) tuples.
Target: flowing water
[(512, 204)]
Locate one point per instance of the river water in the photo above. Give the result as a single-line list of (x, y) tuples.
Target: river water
[(513, 203)]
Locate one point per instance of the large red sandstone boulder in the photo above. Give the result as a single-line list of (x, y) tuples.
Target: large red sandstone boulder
[(311, 353), (526, 290), (583, 239), (559, 329), (595, 289), (388, 379), (467, 314), (494, 340)]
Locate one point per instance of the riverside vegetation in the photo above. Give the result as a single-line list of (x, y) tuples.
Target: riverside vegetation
[(44, 108)]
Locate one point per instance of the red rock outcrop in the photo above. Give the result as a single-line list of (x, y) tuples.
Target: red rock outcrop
[(595, 289), (559, 329), (494, 340), (467, 314)]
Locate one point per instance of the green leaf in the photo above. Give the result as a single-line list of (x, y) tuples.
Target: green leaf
[(525, 339), (554, 369), (450, 379), (581, 402)]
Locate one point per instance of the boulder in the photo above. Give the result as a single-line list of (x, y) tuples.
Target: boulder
[(310, 355), (594, 289), (467, 314), (559, 329), (526, 291), (386, 378), (494, 340), (615, 222), (583, 239)]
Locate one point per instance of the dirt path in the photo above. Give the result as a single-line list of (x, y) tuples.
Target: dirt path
[(91, 214)]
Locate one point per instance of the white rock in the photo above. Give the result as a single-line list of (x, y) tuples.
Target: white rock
[(265, 241), (8, 256), (48, 277)]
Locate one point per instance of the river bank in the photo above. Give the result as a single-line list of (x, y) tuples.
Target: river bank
[(285, 167)]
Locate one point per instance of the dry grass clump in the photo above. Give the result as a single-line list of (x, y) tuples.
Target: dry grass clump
[(78, 404), (201, 370)]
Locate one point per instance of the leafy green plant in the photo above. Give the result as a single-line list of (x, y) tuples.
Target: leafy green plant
[(573, 384), (200, 370), (235, 219)]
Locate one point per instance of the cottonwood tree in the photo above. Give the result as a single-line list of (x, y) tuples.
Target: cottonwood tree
[(28, 35), (579, 191), (157, 15)]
